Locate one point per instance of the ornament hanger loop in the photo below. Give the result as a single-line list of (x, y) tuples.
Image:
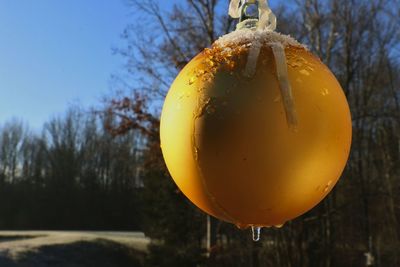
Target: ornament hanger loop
[(264, 20)]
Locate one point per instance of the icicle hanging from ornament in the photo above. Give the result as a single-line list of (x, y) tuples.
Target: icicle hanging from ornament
[(255, 130)]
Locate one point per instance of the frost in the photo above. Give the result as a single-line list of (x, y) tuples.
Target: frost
[(264, 37)]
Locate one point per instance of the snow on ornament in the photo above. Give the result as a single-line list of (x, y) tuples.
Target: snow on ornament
[(255, 130)]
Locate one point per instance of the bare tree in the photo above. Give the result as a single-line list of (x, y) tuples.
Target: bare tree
[(11, 138), (359, 41)]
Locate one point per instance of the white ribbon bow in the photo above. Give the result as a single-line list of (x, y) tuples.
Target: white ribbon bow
[(267, 19)]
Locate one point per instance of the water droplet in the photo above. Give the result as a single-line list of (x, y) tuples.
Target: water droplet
[(298, 64), (294, 128), (328, 185), (242, 226), (294, 64), (256, 233), (277, 99), (325, 91), (208, 77), (210, 109), (309, 68), (196, 154), (305, 72), (183, 94), (201, 109), (299, 80), (192, 80), (200, 72), (210, 62)]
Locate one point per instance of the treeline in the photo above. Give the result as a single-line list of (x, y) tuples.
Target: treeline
[(358, 223), (78, 174), (71, 175)]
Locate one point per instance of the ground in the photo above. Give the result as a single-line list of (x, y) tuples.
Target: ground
[(72, 249)]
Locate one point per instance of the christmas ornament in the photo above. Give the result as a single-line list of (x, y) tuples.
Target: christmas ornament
[(255, 130)]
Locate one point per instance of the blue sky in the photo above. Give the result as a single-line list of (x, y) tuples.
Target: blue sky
[(54, 53)]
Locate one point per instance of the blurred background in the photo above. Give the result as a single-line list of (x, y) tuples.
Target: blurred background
[(82, 179)]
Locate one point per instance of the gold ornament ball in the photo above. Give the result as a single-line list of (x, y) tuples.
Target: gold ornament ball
[(226, 141)]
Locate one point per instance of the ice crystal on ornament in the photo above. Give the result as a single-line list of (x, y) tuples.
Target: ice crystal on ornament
[(249, 36)]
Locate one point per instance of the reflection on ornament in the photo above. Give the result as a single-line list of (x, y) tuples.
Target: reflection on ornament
[(263, 132)]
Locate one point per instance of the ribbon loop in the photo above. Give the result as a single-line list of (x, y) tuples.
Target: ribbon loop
[(234, 9), (266, 19)]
